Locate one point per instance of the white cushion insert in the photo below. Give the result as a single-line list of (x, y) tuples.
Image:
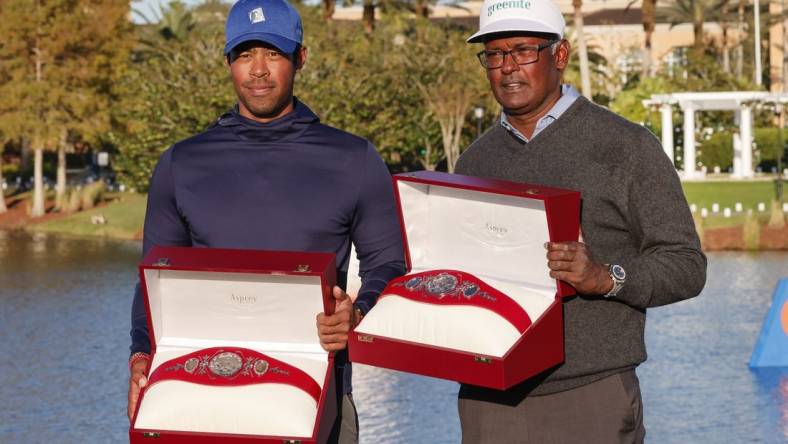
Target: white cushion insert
[(257, 409), (459, 327)]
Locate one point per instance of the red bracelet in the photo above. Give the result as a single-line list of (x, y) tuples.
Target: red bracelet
[(450, 287), (139, 356), (231, 366)]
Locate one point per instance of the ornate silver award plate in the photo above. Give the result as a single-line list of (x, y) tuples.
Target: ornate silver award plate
[(441, 284), (225, 364)]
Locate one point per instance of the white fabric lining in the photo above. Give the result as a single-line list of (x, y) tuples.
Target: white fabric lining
[(467, 328), (481, 233), (200, 309), (260, 409)]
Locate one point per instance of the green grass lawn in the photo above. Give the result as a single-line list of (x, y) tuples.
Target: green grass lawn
[(726, 194), (126, 211), (124, 217)]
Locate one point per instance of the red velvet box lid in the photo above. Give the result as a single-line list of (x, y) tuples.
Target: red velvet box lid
[(524, 205)]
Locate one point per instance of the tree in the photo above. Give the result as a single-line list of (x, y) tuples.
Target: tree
[(695, 12), (175, 88), (3, 208), (649, 11), (582, 51), (368, 16), (740, 46), (329, 7), (357, 82), (62, 59), (437, 60)]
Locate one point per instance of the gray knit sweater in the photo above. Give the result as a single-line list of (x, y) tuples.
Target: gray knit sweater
[(633, 213)]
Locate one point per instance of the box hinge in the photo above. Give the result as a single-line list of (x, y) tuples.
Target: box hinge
[(151, 435), (482, 360), (366, 338), (162, 262), (291, 441)]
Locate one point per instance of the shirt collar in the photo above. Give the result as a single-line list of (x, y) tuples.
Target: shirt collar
[(568, 96)]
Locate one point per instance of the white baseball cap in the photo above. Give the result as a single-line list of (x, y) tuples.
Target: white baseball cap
[(519, 15)]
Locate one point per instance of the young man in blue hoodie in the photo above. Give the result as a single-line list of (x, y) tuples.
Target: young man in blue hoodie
[(269, 175)]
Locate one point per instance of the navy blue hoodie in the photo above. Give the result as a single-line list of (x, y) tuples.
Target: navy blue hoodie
[(290, 184)]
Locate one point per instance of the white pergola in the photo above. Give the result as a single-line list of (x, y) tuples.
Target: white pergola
[(741, 102)]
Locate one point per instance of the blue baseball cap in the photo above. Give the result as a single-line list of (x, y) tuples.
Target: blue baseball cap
[(275, 22)]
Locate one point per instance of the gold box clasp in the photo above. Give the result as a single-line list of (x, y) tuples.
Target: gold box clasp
[(532, 191), (151, 435), (291, 441), (366, 338), (482, 360), (302, 269)]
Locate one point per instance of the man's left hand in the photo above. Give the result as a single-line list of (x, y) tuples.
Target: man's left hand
[(333, 330), (573, 263)]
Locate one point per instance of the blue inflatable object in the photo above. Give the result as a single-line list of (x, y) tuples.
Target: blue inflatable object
[(771, 350)]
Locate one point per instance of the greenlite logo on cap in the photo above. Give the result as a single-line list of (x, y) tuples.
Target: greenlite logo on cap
[(508, 4)]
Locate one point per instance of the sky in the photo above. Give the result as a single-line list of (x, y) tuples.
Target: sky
[(149, 6)]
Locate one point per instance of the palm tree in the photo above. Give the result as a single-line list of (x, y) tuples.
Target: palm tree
[(649, 12), (585, 75), (3, 208), (740, 46), (329, 7), (696, 12), (368, 16)]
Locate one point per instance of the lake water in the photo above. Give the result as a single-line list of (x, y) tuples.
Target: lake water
[(64, 320)]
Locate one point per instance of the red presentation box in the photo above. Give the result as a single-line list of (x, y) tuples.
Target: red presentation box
[(235, 352), (478, 305)]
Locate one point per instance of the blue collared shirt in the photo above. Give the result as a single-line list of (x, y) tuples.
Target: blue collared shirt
[(568, 96)]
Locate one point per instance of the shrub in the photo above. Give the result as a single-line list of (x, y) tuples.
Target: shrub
[(717, 151), (92, 194), (74, 201), (751, 232)]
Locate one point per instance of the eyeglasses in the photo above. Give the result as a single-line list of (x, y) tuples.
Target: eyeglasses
[(522, 55)]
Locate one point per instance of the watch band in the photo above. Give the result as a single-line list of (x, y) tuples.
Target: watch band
[(451, 287), (232, 366), (618, 275)]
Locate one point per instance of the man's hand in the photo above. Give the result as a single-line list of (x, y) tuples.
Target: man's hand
[(333, 330), (573, 263), (137, 381)]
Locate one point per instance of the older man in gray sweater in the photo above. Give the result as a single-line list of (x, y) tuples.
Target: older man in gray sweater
[(639, 247)]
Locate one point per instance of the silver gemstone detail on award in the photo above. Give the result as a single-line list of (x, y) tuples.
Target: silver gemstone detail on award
[(225, 364), (413, 283), (441, 284), (191, 365), (445, 284), (260, 367)]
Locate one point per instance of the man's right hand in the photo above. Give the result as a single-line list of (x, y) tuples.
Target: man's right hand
[(137, 381)]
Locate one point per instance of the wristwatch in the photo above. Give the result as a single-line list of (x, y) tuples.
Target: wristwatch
[(619, 276)]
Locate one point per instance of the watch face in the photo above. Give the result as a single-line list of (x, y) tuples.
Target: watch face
[(618, 272)]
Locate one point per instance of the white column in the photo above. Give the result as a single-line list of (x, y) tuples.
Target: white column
[(736, 155), (745, 128), (667, 129), (689, 142)]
